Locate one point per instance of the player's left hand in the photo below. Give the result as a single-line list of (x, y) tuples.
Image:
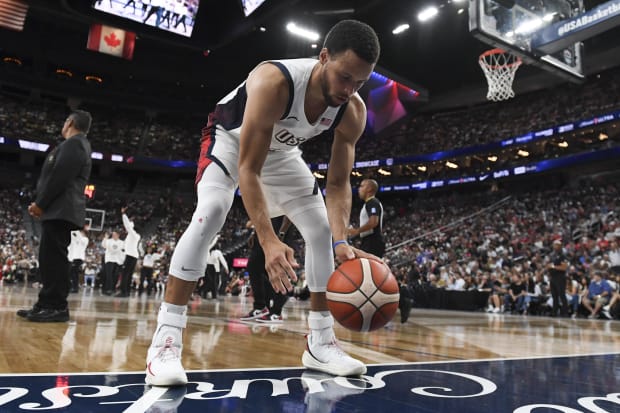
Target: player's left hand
[(280, 264)]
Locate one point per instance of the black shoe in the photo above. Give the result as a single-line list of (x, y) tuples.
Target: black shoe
[(49, 315), (25, 313)]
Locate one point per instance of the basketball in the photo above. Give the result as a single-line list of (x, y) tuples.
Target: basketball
[(362, 294)]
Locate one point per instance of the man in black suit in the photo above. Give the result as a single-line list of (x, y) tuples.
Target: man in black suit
[(61, 206)]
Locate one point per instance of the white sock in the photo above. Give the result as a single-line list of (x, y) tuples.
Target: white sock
[(173, 308), (321, 325), (163, 328)]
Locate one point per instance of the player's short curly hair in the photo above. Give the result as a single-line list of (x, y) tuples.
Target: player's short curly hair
[(356, 36)]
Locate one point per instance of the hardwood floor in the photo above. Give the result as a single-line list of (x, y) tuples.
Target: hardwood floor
[(109, 334)]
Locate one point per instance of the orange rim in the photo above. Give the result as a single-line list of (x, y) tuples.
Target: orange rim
[(517, 61)]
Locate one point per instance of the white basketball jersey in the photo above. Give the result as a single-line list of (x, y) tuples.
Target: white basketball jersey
[(293, 128)]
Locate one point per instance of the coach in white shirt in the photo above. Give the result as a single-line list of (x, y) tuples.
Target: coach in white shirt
[(77, 254), (131, 254), (113, 259), (146, 272)]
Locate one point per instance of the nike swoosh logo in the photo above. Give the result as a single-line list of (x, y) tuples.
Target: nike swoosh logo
[(187, 269), (292, 117)]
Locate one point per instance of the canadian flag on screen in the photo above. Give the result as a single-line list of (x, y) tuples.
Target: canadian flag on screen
[(110, 40)]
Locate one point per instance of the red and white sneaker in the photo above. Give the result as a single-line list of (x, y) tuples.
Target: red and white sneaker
[(163, 360), (271, 319), (254, 314)]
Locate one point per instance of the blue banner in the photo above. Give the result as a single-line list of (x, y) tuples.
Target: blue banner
[(562, 34)]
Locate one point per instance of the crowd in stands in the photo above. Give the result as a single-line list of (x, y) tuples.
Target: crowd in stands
[(461, 242), (450, 241), (17, 252), (488, 122), (123, 131), (131, 133), (477, 241)]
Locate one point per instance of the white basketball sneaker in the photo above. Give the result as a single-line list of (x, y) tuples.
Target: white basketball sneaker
[(323, 353), (163, 360)]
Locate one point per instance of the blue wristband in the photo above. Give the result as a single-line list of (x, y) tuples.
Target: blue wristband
[(335, 244)]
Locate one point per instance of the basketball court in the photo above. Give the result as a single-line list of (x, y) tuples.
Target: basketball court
[(439, 361)]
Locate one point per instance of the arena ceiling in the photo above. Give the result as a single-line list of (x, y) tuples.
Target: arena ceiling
[(439, 56)]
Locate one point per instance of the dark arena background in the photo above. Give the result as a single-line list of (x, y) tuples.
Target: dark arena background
[(475, 194)]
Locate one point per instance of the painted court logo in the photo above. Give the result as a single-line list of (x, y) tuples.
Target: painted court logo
[(466, 387)]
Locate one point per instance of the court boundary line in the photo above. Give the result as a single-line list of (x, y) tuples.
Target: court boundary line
[(408, 363)]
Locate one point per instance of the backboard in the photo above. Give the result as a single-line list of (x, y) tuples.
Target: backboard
[(512, 24), (95, 218)]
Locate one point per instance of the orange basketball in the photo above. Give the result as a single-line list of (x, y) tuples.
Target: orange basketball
[(362, 294)]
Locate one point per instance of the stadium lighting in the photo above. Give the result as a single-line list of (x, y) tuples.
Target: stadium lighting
[(529, 26), (451, 165), (428, 14), (602, 136), (549, 17), (422, 168), (461, 11), (563, 144), (400, 28), (384, 172), (523, 153), (492, 158), (302, 32)]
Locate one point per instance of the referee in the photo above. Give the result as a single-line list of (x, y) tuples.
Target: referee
[(370, 231), (371, 220)]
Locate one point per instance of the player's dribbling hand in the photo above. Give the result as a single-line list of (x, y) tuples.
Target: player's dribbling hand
[(280, 263)]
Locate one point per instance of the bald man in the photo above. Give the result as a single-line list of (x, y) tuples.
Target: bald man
[(371, 219)]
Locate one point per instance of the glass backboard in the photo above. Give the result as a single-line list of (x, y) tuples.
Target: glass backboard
[(511, 25)]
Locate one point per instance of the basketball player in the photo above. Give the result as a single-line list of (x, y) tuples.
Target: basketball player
[(251, 140)]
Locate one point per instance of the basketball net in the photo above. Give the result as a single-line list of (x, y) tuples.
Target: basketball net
[(499, 67)]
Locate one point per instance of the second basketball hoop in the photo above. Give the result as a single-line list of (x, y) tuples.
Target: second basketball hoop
[(499, 67)]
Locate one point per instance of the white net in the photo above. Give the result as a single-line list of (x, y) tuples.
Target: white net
[(499, 67)]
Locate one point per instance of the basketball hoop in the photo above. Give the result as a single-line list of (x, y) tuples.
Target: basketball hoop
[(499, 67)]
